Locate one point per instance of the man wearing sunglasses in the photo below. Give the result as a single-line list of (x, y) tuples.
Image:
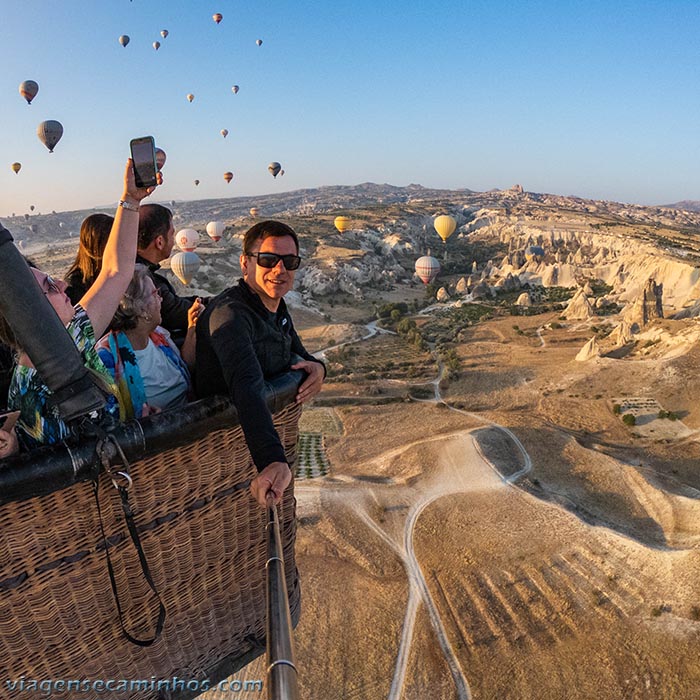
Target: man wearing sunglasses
[(246, 336)]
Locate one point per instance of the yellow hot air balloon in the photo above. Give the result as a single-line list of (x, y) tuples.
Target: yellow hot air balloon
[(445, 226), (254, 211), (342, 223), (16, 167), (228, 176), (190, 97)]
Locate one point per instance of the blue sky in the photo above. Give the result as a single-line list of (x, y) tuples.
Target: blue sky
[(596, 99)]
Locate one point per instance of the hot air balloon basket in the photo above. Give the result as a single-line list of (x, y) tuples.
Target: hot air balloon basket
[(203, 538)]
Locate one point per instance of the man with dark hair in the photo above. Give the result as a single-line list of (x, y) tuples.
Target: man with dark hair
[(156, 240), (246, 337)]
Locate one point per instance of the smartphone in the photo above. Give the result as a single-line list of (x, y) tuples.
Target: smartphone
[(143, 155)]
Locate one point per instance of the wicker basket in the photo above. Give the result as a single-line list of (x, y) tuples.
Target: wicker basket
[(204, 540)]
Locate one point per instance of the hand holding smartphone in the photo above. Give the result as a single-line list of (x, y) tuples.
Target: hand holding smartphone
[(143, 155)]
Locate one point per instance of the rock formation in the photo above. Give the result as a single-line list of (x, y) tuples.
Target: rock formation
[(442, 294), (589, 351), (579, 308), (648, 305), (523, 300), (621, 335)]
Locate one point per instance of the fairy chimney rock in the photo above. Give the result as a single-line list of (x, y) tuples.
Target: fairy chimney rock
[(579, 308), (589, 351), (648, 305)]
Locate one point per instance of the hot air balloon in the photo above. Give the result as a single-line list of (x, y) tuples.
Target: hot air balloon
[(31, 208), (187, 239), (258, 42), (164, 33), (124, 40), (156, 45), (342, 223), (215, 229), (445, 226), (28, 89), (190, 97), (185, 266), (281, 173), (534, 252), (274, 168), (16, 167), (224, 132), (61, 224), (235, 89), (196, 182), (26, 217), (217, 17), (161, 157), (254, 211), (427, 268), (228, 176), (49, 133)]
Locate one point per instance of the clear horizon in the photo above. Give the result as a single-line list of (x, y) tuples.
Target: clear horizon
[(594, 102)]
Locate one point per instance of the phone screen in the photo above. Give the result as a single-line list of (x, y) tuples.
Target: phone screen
[(143, 153)]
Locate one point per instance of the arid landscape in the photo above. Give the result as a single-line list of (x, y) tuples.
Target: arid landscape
[(498, 492)]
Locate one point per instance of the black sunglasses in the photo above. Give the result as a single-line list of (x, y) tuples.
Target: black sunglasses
[(269, 260)]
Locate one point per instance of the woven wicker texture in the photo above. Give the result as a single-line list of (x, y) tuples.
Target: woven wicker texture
[(204, 540)]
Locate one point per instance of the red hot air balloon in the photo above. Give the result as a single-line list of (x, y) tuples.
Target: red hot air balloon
[(28, 89)]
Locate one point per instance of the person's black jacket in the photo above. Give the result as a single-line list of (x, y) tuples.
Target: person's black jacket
[(240, 345), (173, 308)]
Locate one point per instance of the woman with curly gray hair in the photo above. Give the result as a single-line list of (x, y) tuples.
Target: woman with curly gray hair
[(147, 366)]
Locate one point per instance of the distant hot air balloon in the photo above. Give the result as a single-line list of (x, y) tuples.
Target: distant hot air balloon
[(161, 157), (16, 167), (187, 239), (49, 133), (190, 97), (26, 217), (217, 17), (534, 252), (224, 132), (427, 268), (164, 33), (156, 45), (235, 89), (28, 89), (31, 208), (342, 223), (258, 42), (215, 230), (185, 266), (228, 176), (34, 228), (254, 211), (124, 40), (281, 173), (274, 168), (61, 224), (196, 182), (445, 226)]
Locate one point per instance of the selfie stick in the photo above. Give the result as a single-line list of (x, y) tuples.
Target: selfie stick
[(281, 671)]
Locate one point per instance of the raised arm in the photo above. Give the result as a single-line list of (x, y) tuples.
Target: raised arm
[(101, 300)]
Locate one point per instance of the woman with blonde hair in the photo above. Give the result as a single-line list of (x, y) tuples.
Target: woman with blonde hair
[(138, 352)]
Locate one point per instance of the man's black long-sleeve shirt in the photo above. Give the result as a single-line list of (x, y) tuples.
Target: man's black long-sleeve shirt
[(240, 345)]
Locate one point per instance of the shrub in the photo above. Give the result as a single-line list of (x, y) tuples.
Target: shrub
[(617, 409), (629, 419)]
